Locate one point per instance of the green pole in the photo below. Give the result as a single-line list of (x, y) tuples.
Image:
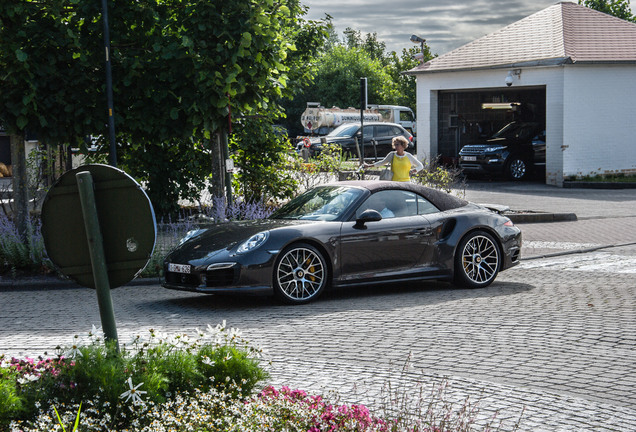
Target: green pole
[(98, 258)]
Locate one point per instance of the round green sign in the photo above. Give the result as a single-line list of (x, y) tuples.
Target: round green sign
[(126, 219)]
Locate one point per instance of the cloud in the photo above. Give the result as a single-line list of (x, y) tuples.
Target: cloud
[(445, 24)]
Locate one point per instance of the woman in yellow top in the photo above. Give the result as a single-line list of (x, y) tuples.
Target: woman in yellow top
[(403, 164)]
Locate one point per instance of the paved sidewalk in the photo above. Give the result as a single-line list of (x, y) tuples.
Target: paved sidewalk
[(585, 203)]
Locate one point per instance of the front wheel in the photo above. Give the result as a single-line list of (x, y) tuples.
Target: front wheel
[(517, 169), (477, 260), (300, 274)]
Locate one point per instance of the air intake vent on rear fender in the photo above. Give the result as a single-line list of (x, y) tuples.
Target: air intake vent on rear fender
[(448, 228)]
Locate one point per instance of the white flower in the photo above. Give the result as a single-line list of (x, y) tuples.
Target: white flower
[(73, 352), (28, 378), (96, 333), (133, 392), (235, 333), (208, 361)]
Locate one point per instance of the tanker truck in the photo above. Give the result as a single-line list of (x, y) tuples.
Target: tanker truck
[(318, 120)]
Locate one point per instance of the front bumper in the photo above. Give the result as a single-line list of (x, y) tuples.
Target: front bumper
[(224, 277), (482, 166)]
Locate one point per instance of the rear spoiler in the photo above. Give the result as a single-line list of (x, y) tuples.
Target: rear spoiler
[(497, 208)]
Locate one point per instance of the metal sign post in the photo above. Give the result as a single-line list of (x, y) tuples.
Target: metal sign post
[(363, 107), (98, 258)]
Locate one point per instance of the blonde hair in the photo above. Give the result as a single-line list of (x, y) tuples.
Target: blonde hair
[(400, 140)]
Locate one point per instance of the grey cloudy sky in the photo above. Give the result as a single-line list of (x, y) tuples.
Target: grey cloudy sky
[(445, 24)]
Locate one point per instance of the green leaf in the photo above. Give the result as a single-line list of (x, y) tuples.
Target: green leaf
[(174, 113), (21, 122), (21, 55), (246, 39)]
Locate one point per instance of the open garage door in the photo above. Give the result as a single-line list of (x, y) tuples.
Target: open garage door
[(472, 116)]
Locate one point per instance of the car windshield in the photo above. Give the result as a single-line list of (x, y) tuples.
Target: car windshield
[(322, 203), (344, 130), (516, 130)]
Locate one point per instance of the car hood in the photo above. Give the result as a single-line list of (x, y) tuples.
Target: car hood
[(215, 239)]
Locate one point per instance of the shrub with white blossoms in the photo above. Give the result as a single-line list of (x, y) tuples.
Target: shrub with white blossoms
[(149, 370)]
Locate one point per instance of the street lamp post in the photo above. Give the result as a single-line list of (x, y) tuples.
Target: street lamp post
[(416, 39), (112, 158)]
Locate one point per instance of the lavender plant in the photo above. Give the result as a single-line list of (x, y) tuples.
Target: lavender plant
[(15, 254)]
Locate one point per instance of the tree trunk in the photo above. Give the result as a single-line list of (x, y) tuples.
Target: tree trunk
[(20, 186), (217, 186)]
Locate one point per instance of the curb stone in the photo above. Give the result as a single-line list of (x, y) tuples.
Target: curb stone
[(49, 283), (538, 217)]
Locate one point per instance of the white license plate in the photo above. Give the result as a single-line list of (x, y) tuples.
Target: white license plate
[(179, 268), (470, 158)]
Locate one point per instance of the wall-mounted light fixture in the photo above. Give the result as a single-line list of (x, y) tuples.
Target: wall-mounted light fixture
[(510, 78)]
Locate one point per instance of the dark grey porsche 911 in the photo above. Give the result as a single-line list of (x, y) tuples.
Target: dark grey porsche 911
[(344, 234)]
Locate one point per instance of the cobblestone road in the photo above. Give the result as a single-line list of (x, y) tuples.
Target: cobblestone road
[(553, 338)]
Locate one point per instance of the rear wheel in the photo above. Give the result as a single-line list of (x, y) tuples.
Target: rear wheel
[(300, 274), (477, 260), (517, 169)]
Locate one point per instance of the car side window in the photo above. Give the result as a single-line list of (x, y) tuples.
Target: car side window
[(383, 131), (395, 131), (424, 206), (368, 132), (391, 204)]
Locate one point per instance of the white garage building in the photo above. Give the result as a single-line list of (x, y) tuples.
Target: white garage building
[(571, 67)]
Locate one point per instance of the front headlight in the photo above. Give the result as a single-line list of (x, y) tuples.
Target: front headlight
[(253, 242), (494, 149)]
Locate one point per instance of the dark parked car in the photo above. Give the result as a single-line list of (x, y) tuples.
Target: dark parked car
[(345, 234), (515, 151), (377, 139)]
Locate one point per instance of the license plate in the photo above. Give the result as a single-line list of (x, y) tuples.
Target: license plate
[(470, 158), (179, 268)]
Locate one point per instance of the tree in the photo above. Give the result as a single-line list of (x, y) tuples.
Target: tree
[(341, 65), (337, 80), (178, 67), (617, 8)]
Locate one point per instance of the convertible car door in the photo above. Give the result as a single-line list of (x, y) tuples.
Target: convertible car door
[(392, 248)]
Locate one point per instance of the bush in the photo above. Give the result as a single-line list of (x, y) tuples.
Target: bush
[(437, 176), (150, 370)]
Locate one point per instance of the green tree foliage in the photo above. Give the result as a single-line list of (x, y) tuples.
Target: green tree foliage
[(49, 82), (617, 8), (337, 81), (178, 67), (341, 65), (260, 151)]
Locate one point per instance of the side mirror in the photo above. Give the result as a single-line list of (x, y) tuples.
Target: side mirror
[(369, 215)]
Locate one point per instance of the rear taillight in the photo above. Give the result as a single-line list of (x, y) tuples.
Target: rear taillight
[(509, 223)]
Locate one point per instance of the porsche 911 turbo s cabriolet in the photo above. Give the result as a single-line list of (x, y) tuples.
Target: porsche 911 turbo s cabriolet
[(344, 234)]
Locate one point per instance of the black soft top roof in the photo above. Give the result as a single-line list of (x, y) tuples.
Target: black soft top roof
[(439, 199)]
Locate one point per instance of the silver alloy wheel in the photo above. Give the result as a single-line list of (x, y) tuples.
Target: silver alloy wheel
[(480, 259), (517, 169), (301, 274)]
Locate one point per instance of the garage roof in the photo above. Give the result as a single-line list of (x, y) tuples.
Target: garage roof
[(563, 33)]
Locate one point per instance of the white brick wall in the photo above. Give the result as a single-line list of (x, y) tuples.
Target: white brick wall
[(599, 119)]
